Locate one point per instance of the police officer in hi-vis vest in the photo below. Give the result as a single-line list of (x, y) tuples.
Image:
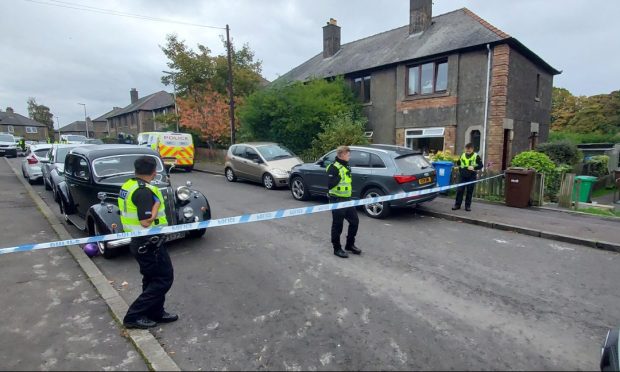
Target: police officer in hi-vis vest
[(142, 207), (469, 164), (340, 188)]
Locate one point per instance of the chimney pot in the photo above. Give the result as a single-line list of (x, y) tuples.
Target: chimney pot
[(133, 94), (420, 15), (10, 110), (331, 38)]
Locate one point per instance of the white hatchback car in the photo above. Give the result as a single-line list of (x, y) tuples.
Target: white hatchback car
[(31, 165)]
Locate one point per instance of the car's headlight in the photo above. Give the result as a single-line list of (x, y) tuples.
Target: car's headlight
[(279, 172), (183, 193), (188, 212)]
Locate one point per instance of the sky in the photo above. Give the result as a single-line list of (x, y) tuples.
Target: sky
[(63, 56)]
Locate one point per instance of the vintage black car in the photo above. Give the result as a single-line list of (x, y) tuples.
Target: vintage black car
[(93, 178)]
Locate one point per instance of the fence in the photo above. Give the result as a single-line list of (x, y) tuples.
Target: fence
[(210, 155)]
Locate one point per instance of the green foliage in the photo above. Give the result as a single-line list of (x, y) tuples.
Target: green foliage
[(41, 114), (444, 156), (198, 71), (293, 114), (597, 166), (578, 138), (562, 152), (600, 212), (598, 114), (169, 119), (553, 181), (534, 160), (342, 129)]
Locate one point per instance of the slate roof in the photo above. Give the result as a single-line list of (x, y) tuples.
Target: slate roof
[(151, 102), (459, 29), (77, 126), (108, 114), (10, 118)]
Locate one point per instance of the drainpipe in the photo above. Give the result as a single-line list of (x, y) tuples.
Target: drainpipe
[(483, 147)]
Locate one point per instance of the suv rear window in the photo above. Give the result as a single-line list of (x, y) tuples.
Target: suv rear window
[(411, 164)]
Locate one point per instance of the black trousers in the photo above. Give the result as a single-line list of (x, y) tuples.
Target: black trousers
[(470, 192), (338, 217), (157, 277)]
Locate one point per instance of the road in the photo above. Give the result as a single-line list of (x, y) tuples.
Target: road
[(426, 293)]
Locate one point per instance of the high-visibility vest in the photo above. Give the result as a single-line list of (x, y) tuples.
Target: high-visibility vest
[(344, 188), (129, 211), (467, 162)]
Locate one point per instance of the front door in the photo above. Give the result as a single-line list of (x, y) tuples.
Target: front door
[(79, 186)]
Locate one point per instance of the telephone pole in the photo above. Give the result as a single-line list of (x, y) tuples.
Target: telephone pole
[(230, 87)]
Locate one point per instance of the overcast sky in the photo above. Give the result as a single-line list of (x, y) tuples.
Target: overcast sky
[(64, 56)]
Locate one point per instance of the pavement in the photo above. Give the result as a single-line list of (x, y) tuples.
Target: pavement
[(427, 293), (53, 319)]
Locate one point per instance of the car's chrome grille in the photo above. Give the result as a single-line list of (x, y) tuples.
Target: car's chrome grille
[(168, 194)]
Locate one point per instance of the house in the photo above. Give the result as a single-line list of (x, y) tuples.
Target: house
[(102, 125), (441, 82), (78, 127), (139, 115), (19, 125)]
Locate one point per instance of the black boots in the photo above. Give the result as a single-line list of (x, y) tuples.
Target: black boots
[(353, 249), (340, 252)]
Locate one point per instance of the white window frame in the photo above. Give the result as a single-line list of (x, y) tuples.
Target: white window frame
[(31, 130), (10, 129), (425, 132)]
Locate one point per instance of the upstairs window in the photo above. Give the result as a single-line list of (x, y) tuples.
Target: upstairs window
[(427, 78), (361, 88), (31, 129)]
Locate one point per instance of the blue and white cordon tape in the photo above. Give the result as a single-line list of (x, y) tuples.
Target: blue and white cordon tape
[(236, 220)]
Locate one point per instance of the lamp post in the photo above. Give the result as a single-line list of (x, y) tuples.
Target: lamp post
[(58, 120), (174, 93), (85, 119)]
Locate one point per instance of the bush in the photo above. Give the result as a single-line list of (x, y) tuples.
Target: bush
[(578, 138), (342, 129), (597, 166), (553, 181), (562, 152), (444, 156), (534, 160)]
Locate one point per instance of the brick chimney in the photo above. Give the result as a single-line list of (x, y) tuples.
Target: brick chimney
[(10, 110), (420, 15), (331, 38), (133, 93)]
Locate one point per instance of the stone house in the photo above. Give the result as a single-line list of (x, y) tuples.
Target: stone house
[(441, 82), (139, 115), (78, 127), (21, 126)]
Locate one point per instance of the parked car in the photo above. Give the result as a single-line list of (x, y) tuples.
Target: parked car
[(52, 166), (72, 139), (8, 147), (376, 170), (31, 165), (93, 141), (93, 178), (264, 162)]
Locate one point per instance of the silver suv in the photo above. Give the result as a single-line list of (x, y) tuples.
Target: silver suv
[(265, 162), (376, 170)]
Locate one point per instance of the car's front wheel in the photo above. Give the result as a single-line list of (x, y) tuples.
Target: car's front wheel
[(376, 210), (299, 189), (268, 181), (230, 175), (63, 211), (103, 246), (46, 184)]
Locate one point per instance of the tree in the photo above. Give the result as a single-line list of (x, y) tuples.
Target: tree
[(292, 114), (41, 114), (207, 114), (342, 129)]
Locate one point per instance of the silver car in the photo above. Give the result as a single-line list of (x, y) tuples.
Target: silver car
[(31, 165), (265, 162)]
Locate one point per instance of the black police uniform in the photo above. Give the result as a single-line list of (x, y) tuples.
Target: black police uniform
[(339, 215), (466, 175), (155, 265)]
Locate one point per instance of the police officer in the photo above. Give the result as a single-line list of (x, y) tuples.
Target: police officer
[(469, 163), (22, 144), (340, 187), (142, 207)]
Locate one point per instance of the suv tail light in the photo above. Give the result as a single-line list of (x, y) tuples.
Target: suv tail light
[(32, 160), (405, 179)]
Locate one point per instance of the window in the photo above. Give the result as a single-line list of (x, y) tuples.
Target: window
[(329, 159), (81, 170), (427, 78), (538, 87), (251, 154), (376, 162), (239, 151), (474, 139), (428, 140), (359, 159), (31, 129), (361, 87), (10, 129), (275, 152)]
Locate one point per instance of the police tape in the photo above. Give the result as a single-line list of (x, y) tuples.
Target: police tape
[(236, 220)]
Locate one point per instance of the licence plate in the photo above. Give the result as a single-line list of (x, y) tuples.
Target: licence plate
[(175, 236), (425, 180)]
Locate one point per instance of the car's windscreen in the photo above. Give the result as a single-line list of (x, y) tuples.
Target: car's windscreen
[(6, 138), (76, 138), (410, 164), (119, 164), (274, 152), (61, 154), (41, 152)]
